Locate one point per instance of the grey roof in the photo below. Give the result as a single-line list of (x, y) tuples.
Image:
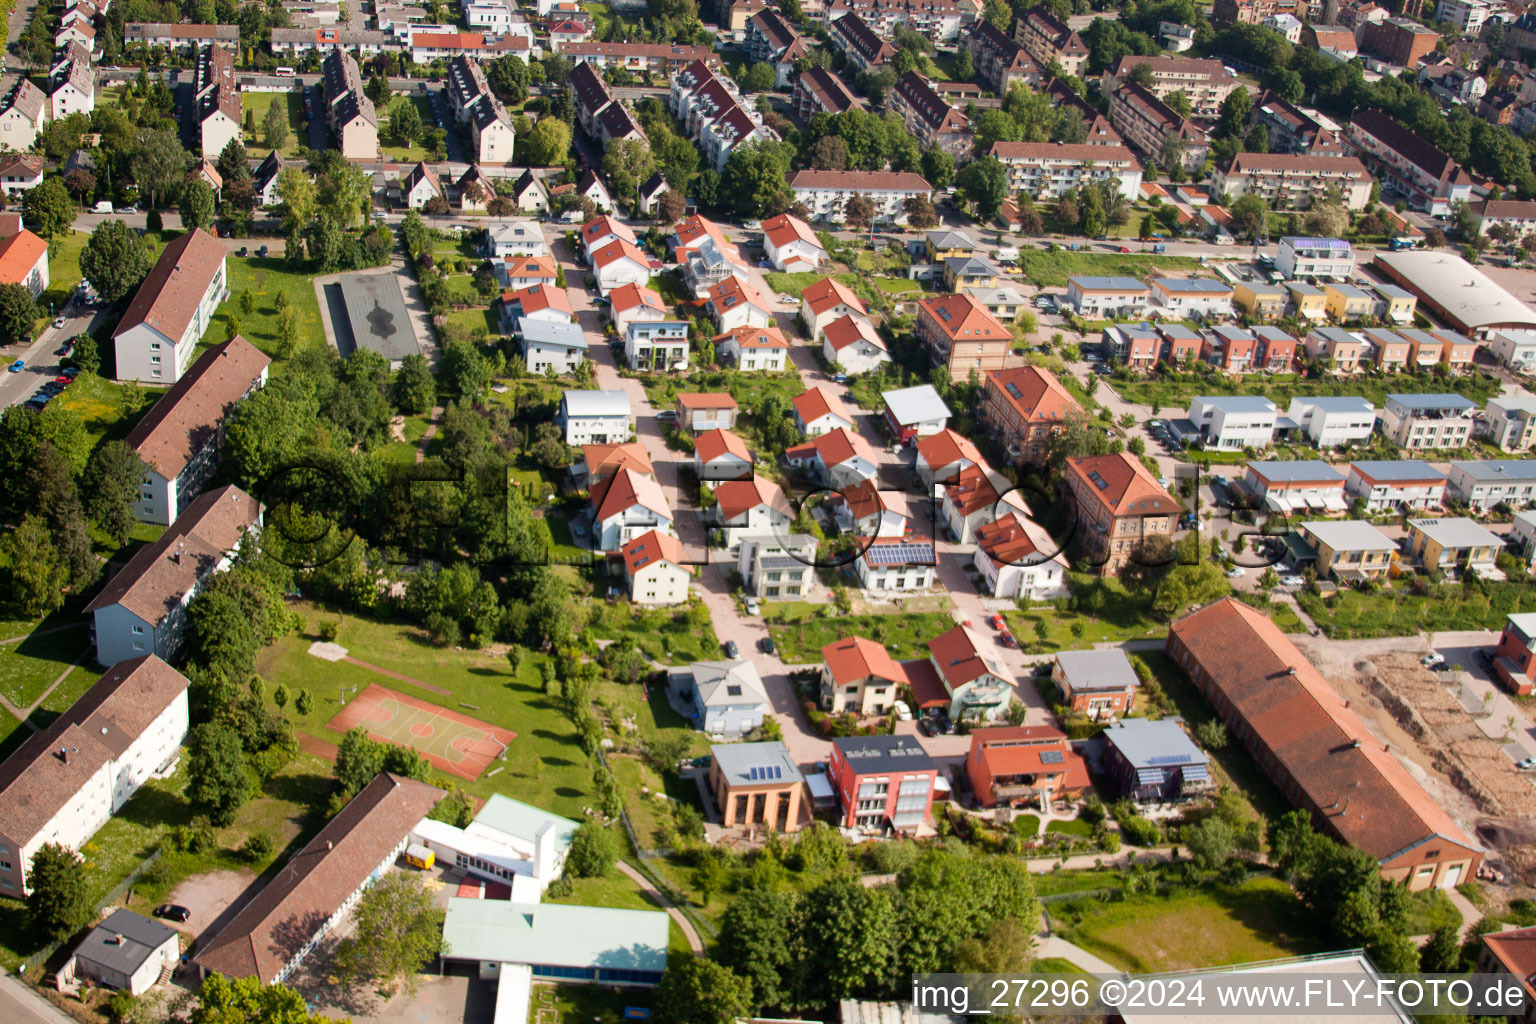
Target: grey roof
[(753, 763), (1092, 283), (1350, 535), (1192, 284), (1349, 291), (950, 239), (1153, 744), (556, 934), (517, 231), (916, 404), (724, 683), (1391, 291), (1468, 296), (881, 755), (1337, 334), (1490, 470), (1397, 469), (550, 332), (376, 315), (1264, 288), (995, 296), (523, 821), (1508, 404), (1294, 470), (1097, 670), (1337, 403), (971, 266), (1302, 288), (1236, 403), (1456, 533), (1432, 401), (594, 403), (124, 941)]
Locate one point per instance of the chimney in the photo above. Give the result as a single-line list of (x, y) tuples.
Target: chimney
[(64, 754)]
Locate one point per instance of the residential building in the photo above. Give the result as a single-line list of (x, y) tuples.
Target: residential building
[(1234, 422), (1024, 407), (1440, 347), (1514, 656), (757, 785), (519, 273), (1153, 127), (657, 345), (753, 348), (707, 257), (127, 952), (1018, 559), (1287, 486), (815, 415), (1486, 483), (747, 505), (216, 108), (858, 676), (1198, 297), (777, 566), (349, 113), (771, 39), (1154, 761), (419, 186), (23, 257), (155, 338), (862, 46), (273, 933), (72, 87), (1205, 83), (1346, 302), (1049, 41), (1342, 351), (962, 336), (975, 498), (825, 301), (20, 173), (180, 438), (23, 114), (1286, 25), (1349, 550), (551, 345), (837, 459), (598, 462), (1108, 298), (1099, 684), (516, 238), (1258, 299), (896, 565), (1393, 304), (1136, 345), (178, 36), (1514, 349), (1392, 484), (1231, 348), (619, 263), (635, 303), (961, 678), (1293, 181), (820, 91), (728, 697), (1313, 258), (541, 301), (1336, 42), (944, 244), (626, 505), (1181, 344), (1024, 765), (915, 412), (826, 193), (1049, 170), (648, 196), (491, 133), (1118, 505), (1453, 545), (655, 569), (720, 455), (1277, 350), (1517, 216), (999, 61), (852, 344), (929, 117), (1522, 535), (1386, 350), (1331, 422), (1509, 421), (1297, 130), (1428, 421), (65, 781), (1409, 165), (265, 180), (595, 417), (1316, 749), (1467, 15), (791, 245), (1248, 12), (658, 58), (882, 782), (1398, 41), (1308, 300), (328, 40), (1005, 301), (701, 411), (960, 272)]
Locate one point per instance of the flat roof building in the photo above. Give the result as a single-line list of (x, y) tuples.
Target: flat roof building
[(1457, 292)]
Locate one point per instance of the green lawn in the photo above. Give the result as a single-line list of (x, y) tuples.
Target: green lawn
[(1051, 269), (1055, 965), (1071, 827), (1175, 391), (64, 268), (100, 405), (794, 284), (81, 678), (671, 636), (264, 278), (469, 321), (256, 104), (1395, 611), (1117, 615), (406, 154), (1259, 920), (29, 667), (802, 630), (898, 285)]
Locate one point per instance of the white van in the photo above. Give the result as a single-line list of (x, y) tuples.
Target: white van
[(102, 207), (1008, 255)]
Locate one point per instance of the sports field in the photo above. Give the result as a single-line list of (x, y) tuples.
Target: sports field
[(454, 742)]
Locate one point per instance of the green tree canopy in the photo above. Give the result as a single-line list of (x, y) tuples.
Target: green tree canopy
[(197, 205), (698, 991), (396, 929), (593, 851), (18, 314), (60, 902), (114, 260), (217, 782), (48, 209)]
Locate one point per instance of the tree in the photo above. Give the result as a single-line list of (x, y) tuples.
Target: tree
[(217, 783), (114, 260), (396, 928), (1210, 840), (414, 389), (1326, 220), (233, 163), (296, 199), (829, 154), (985, 183), (358, 760), (627, 165), (377, 90), (548, 143), (853, 927), (670, 206), (1257, 140), (18, 314), (197, 204), (1177, 101), (248, 1000), (698, 991), (920, 212), (33, 572), (756, 944), (274, 126), (81, 183), (60, 903), (465, 372), (160, 165), (405, 126), (1250, 217), (759, 77), (1233, 114), (48, 208), (1442, 953), (754, 177), (858, 211), (938, 167), (1143, 75), (287, 331), (111, 484), (593, 851)]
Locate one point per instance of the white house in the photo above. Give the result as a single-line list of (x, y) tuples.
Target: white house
[(719, 455), (734, 303), (753, 348), (654, 569), (1098, 298), (656, 345), (515, 238), (815, 414), (791, 245), (633, 303), (1016, 558), (1395, 483), (127, 952), (1484, 483), (67, 780), (1315, 258), (748, 506), (826, 193), (599, 231), (592, 187), (529, 193), (142, 609), (916, 411), (216, 96), (595, 417), (72, 89), (419, 185), (179, 439), (23, 258), (542, 302), (838, 458), (777, 566), (516, 272), (552, 345), (976, 496), (978, 687), (1192, 296), (1330, 422), (894, 565), (23, 113), (1234, 421), (728, 697), (171, 310), (852, 344), (825, 301), (626, 505), (868, 512), (619, 263), (1515, 349)]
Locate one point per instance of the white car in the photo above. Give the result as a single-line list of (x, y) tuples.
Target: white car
[(903, 713), (1237, 572), (1432, 660), (752, 606), (1293, 581)]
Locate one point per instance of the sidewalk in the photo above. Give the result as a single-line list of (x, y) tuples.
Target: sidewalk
[(1051, 945), (677, 915)]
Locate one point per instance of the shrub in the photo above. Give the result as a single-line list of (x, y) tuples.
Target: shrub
[(258, 846), (329, 630)]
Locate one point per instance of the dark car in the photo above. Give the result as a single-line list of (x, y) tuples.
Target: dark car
[(173, 912), (926, 726), (945, 725), (766, 645), (731, 650), (1485, 657), (261, 251)]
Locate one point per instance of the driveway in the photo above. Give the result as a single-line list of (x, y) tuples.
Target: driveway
[(210, 897)]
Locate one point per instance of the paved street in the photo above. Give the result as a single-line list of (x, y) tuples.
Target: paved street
[(19, 1005)]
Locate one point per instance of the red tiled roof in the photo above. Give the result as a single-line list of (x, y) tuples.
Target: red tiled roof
[(537, 297), (732, 292), (1516, 950), (1006, 541), (861, 181), (652, 547), (783, 229), (1016, 749), (958, 656), (182, 421), (754, 337), (946, 448), (1127, 486), (168, 299), (849, 329), (598, 228), (608, 459), (926, 686), (18, 255), (733, 497), (960, 317), (835, 447), (531, 266), (616, 250), (830, 292), (629, 296), (853, 658), (972, 491), (712, 444), (624, 490), (812, 405), (706, 400)]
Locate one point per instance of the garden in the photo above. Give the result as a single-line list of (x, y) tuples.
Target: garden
[(1050, 268), (801, 630), (1413, 606), (265, 278)]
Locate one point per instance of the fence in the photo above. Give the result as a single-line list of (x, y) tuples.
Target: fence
[(36, 960)]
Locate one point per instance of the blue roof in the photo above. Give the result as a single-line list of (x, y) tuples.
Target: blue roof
[(1397, 469), (1192, 284), (1296, 469), (1314, 243), (1107, 283), (1432, 401), (1153, 744)]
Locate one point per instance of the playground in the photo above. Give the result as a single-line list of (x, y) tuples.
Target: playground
[(453, 742)]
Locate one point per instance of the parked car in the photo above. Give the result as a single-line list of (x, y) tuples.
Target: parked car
[(996, 622), (1293, 581), (766, 645), (70, 371), (903, 712), (731, 650), (926, 726), (173, 912), (1432, 660), (59, 322), (1237, 572), (240, 251), (261, 251), (753, 608), (63, 381), (1485, 657), (18, 366)]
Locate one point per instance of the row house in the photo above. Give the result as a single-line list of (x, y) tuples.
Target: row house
[(176, 37), (1423, 422), (1205, 83), (1249, 12), (826, 193), (1186, 297), (1295, 182), (1516, 216), (430, 43), (1452, 545), (1277, 350), (473, 103), (1232, 349), (1050, 41), (1408, 164), (1509, 421), (938, 21), (929, 117), (1296, 130), (1330, 421), (1234, 422), (1386, 485), (589, 92), (1023, 407), (1260, 299), (1136, 345), (1340, 349), (1153, 127), (1346, 302), (1393, 304), (297, 42), (1118, 505), (72, 85), (349, 113), (1049, 170), (819, 91), (1514, 349), (658, 58), (772, 40), (1485, 483), (1347, 550), (1108, 298), (711, 109), (863, 47), (1097, 129), (216, 108), (1287, 486), (1440, 347), (999, 61)]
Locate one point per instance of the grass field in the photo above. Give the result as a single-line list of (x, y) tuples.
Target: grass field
[(99, 404), (471, 320), (671, 636), (406, 154), (1281, 388), (64, 268), (264, 278), (28, 668), (256, 105), (1259, 920), (1117, 615), (801, 630), (1398, 612), (1051, 269), (794, 284)]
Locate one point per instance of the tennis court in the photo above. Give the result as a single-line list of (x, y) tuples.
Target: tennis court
[(454, 742)]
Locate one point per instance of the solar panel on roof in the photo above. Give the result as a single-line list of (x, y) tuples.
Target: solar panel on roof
[(898, 554), (1051, 757), (1166, 759), (1149, 776), (1195, 773)]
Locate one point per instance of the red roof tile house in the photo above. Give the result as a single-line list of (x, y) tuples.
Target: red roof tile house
[(635, 303), (1017, 558), (1119, 505), (1514, 656), (859, 675), (1020, 765), (753, 348), (851, 344), (882, 782), (791, 245), (1512, 954), (1024, 407), (273, 933), (24, 260), (941, 457), (977, 685), (735, 303), (598, 462), (626, 505), (700, 411), (838, 458), (721, 455), (66, 781), (825, 301), (655, 570), (816, 415), (179, 439), (961, 335), (1316, 749)]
